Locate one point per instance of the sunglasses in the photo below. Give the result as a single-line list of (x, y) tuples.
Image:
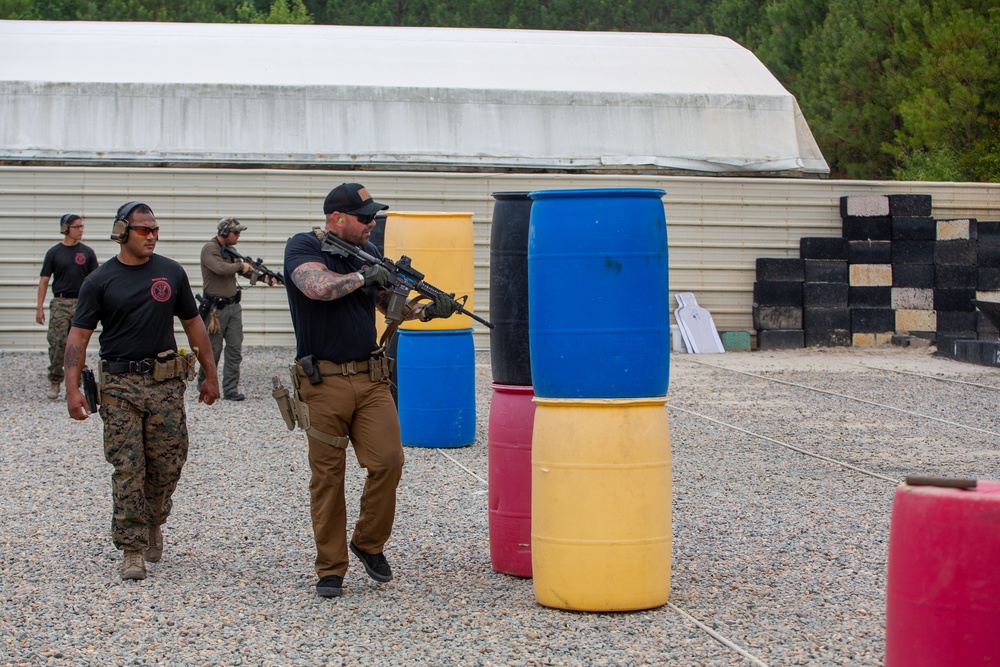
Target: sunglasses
[(146, 231), (364, 219)]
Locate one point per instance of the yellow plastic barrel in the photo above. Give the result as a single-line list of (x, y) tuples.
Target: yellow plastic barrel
[(600, 503), (441, 246)]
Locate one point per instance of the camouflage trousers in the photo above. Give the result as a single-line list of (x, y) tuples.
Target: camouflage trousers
[(60, 318), (147, 452)]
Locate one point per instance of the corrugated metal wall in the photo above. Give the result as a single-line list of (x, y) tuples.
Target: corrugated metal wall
[(717, 227)]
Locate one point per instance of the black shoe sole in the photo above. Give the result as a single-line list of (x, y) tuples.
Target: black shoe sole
[(371, 573), (329, 591)]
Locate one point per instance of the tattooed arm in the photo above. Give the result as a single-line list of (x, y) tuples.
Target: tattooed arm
[(76, 357), (320, 283)]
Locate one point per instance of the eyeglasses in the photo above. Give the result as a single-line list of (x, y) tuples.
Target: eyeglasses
[(76, 226), (146, 231), (364, 219)]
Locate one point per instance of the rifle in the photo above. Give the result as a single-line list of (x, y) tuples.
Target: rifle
[(257, 266), (403, 279)]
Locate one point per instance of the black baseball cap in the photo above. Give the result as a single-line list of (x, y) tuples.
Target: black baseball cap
[(352, 198)]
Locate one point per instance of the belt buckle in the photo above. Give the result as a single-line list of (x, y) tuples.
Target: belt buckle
[(144, 366), (350, 368)]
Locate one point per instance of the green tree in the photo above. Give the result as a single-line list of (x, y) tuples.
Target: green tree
[(946, 86), (279, 12)]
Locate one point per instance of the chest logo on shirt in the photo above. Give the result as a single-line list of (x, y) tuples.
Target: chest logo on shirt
[(160, 290), (80, 258)]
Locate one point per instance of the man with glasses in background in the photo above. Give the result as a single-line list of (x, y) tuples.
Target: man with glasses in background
[(68, 262), (220, 306), (140, 393)]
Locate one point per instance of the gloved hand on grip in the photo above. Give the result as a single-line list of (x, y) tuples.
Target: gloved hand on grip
[(375, 275), (442, 306)]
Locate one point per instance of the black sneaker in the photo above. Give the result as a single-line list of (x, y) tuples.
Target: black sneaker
[(375, 564), (234, 396), (330, 586)]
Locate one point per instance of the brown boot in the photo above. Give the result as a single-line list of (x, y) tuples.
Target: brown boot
[(53, 392), (154, 552), (133, 566)]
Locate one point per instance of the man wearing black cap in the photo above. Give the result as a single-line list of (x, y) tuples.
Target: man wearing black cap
[(342, 383), (222, 303), (70, 262)]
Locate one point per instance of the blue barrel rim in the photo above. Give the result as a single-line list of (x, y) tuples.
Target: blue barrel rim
[(601, 192), (435, 332), (515, 194)]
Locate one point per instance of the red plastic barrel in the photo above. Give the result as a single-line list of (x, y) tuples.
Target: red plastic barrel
[(512, 417), (943, 588)]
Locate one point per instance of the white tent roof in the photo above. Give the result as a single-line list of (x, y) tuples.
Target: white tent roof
[(439, 97)]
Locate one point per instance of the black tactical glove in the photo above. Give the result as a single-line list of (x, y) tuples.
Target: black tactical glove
[(375, 275), (442, 306)]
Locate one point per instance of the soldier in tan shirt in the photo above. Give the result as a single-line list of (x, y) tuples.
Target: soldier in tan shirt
[(221, 303)]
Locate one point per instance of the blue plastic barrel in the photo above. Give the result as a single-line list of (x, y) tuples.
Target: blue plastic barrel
[(598, 293), (436, 372)]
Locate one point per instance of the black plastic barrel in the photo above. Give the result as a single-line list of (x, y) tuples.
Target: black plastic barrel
[(510, 355)]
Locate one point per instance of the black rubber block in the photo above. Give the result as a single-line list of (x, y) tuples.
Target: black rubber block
[(914, 229), (777, 293), (954, 299), (777, 317), (873, 320), (956, 253), (988, 280), (913, 275), (825, 295), (826, 271), (956, 276), (909, 205), (956, 320), (867, 229), (823, 247), (835, 338), (870, 252), (826, 319), (781, 339), (988, 255), (780, 269), (988, 231), (913, 252), (870, 297)]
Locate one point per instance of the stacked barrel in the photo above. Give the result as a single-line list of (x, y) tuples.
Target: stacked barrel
[(511, 407), (599, 338), (435, 360)]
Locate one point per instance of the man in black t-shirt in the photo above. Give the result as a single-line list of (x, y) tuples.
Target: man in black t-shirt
[(70, 262), (135, 297), (332, 300)]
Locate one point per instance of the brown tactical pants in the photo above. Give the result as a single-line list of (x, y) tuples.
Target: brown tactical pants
[(352, 405)]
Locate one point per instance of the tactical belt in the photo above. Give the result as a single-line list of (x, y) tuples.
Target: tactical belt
[(220, 301), (332, 368), (66, 295), (142, 366)]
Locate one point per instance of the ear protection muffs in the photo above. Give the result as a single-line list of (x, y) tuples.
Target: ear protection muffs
[(224, 232), (119, 230), (64, 222)]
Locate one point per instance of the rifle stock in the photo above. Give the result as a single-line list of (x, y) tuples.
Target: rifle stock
[(403, 279)]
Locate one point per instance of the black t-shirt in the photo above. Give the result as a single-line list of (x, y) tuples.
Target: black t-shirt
[(340, 330), (70, 264), (136, 306)]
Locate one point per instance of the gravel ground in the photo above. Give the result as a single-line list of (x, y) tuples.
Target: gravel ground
[(781, 554)]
